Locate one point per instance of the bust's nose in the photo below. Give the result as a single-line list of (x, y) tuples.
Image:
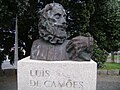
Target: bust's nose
[(63, 21)]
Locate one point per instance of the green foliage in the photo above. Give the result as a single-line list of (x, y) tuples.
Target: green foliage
[(78, 16), (27, 17), (99, 56), (7, 13), (105, 24), (9, 9)]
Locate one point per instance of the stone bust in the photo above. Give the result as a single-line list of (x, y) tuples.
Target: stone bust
[(52, 44)]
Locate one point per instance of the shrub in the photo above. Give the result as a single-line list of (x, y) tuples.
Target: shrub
[(99, 56)]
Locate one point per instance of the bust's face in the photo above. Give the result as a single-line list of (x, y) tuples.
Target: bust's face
[(53, 21), (57, 16)]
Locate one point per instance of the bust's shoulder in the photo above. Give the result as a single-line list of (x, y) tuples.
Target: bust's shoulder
[(39, 42), (43, 50), (43, 42)]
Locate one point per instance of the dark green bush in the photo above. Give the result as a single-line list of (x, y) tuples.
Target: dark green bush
[(99, 56)]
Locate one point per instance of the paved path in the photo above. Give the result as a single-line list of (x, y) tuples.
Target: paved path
[(104, 82), (8, 83)]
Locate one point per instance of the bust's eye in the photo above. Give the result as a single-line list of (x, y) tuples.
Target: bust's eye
[(57, 16)]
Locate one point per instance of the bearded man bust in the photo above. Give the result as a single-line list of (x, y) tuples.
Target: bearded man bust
[(53, 44)]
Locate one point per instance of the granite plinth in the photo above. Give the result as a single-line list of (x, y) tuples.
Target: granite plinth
[(56, 75)]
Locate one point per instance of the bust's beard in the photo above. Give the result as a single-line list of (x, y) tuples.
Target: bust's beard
[(54, 35)]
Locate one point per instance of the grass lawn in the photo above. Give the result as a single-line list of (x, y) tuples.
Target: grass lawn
[(111, 66)]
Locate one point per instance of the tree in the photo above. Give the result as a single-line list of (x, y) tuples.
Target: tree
[(79, 12), (106, 24), (8, 11), (103, 24), (27, 21)]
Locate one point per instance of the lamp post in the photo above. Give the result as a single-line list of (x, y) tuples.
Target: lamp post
[(16, 44)]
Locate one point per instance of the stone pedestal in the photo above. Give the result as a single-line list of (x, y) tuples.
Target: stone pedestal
[(56, 75)]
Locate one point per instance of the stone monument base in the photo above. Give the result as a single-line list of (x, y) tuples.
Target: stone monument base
[(56, 75)]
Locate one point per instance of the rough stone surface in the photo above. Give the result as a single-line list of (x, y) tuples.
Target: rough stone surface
[(9, 72), (113, 72), (102, 72), (56, 75)]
